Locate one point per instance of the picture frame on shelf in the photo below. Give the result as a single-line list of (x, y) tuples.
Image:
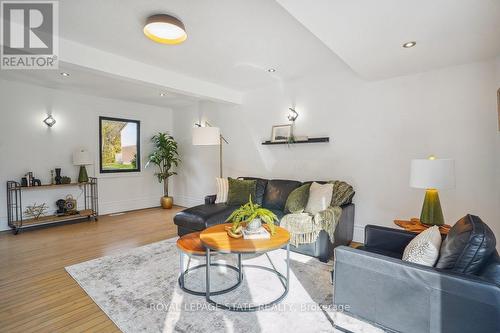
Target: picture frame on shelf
[(281, 133)]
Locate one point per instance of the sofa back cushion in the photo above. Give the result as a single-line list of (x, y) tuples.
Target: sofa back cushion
[(277, 192), (260, 189), (468, 246), (491, 270)]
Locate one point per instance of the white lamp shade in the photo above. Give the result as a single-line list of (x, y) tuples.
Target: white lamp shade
[(206, 136), (432, 173), (82, 157)]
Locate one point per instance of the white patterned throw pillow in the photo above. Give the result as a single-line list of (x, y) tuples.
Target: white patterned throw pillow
[(320, 197), (222, 189), (424, 248)]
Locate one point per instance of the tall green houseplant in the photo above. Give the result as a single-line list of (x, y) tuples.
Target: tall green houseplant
[(165, 156)]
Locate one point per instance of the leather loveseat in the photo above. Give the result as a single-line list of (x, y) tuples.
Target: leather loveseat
[(270, 194), (460, 294)]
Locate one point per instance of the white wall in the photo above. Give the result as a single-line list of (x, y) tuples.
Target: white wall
[(27, 144), (375, 129)]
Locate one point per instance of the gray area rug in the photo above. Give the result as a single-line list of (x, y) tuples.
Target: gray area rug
[(138, 290)]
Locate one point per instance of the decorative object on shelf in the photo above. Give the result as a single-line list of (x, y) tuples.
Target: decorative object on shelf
[(24, 182), (281, 133), (35, 211), (82, 158), (292, 115), (58, 177), (253, 216), (209, 136), (119, 145), (432, 174), (61, 209), (49, 121), (65, 180), (29, 178), (165, 156), (52, 180), (296, 141), (70, 203), (165, 29), (36, 182)]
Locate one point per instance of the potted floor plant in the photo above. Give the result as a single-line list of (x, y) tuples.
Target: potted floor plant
[(165, 157), (250, 216)]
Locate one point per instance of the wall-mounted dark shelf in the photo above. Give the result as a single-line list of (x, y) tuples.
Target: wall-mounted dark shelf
[(310, 140)]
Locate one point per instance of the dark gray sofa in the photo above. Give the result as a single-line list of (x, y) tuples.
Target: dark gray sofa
[(460, 294), (271, 194)]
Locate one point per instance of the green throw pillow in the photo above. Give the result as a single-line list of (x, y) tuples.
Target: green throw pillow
[(297, 199), (240, 190), (342, 193)]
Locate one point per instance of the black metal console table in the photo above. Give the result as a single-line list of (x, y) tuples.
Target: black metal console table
[(15, 210)]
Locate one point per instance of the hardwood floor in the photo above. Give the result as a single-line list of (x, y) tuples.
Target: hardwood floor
[(36, 293)]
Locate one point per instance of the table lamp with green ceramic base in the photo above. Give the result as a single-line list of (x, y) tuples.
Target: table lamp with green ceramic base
[(432, 174), (82, 158)]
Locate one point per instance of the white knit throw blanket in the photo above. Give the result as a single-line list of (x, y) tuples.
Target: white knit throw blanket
[(304, 228)]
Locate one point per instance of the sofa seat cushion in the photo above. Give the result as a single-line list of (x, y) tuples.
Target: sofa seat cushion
[(468, 246), (277, 191), (200, 217)]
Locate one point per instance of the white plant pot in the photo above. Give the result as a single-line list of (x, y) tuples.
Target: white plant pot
[(254, 224)]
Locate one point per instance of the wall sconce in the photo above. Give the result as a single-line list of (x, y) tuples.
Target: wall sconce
[(49, 121), (292, 115)]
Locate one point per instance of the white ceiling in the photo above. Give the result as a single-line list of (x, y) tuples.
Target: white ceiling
[(85, 81), (368, 34), (230, 42)]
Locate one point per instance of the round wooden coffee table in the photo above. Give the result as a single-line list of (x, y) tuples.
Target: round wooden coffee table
[(215, 238), (190, 245)]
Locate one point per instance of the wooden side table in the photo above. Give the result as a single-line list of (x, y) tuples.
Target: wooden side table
[(191, 245), (415, 226)]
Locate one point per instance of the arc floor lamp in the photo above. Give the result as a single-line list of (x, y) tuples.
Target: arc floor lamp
[(209, 135)]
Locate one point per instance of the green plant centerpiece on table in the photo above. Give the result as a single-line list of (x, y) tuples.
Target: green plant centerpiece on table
[(165, 157), (251, 216)]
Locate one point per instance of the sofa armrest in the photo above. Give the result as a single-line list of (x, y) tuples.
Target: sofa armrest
[(387, 239), (210, 199), (408, 297)]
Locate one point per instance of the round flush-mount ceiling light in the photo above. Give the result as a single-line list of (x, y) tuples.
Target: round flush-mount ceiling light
[(408, 45), (165, 29)]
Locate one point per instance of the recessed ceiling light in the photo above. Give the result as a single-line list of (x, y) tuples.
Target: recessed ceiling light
[(271, 70), (162, 94), (64, 74), (165, 29), (407, 45)]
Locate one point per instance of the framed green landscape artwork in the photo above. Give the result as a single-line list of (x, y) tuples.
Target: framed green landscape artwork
[(119, 145)]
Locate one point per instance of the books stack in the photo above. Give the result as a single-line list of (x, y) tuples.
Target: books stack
[(260, 233)]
